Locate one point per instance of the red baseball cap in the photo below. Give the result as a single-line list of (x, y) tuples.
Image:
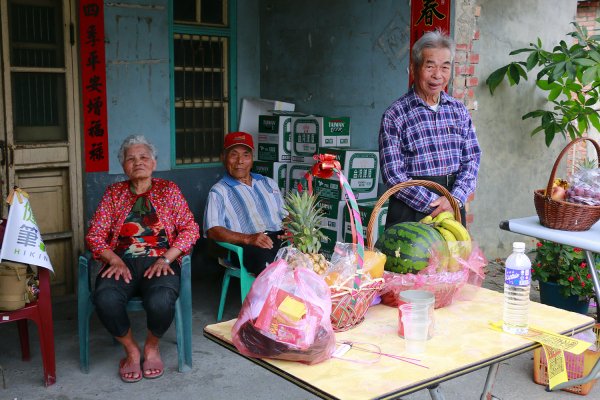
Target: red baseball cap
[(238, 138)]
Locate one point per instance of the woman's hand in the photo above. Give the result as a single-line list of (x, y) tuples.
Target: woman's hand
[(116, 268), (160, 268)]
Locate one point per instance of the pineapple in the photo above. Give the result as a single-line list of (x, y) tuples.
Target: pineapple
[(303, 225)]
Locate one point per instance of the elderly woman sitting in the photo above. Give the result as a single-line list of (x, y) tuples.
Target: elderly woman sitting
[(141, 228)]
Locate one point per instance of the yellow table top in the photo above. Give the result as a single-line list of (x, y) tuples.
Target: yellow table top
[(463, 342)]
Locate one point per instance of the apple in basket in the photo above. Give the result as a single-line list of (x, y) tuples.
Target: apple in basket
[(558, 193)]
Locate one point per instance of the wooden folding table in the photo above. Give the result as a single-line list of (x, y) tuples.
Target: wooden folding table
[(463, 342)]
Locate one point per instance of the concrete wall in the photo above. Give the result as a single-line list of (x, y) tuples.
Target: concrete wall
[(513, 164), (336, 58)]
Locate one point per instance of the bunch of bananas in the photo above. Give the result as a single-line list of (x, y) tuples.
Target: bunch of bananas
[(453, 232)]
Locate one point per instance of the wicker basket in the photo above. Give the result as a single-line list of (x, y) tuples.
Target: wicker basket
[(348, 304), (444, 291), (557, 214), (578, 366)]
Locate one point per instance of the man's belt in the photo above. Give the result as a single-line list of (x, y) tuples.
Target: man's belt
[(445, 180)]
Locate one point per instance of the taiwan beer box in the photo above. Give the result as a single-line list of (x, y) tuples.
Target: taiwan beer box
[(310, 133), (274, 136), (365, 209), (361, 169), (274, 170), (332, 223), (296, 175)]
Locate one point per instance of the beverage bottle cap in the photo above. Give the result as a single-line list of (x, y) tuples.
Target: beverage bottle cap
[(518, 246)]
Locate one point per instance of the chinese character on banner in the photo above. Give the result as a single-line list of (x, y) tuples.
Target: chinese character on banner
[(428, 15), (22, 239), (93, 76)]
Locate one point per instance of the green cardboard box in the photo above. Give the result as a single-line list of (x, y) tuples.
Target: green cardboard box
[(365, 209), (361, 169), (310, 133), (274, 170), (295, 175), (274, 136)]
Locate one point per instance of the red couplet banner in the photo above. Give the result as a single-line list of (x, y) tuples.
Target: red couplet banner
[(93, 78), (428, 15)]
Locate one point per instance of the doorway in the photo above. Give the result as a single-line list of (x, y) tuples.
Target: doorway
[(39, 146)]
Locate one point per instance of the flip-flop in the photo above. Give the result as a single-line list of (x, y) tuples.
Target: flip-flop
[(128, 369), (153, 364)]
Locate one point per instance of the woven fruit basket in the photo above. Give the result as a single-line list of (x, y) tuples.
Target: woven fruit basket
[(349, 301), (558, 214), (444, 285)]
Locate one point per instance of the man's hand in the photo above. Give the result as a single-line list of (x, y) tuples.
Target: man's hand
[(117, 268), (261, 240), (439, 205)]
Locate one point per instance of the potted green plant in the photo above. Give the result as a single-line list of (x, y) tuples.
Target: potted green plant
[(564, 277), (569, 74)]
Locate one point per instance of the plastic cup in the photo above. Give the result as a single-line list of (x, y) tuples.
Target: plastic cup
[(420, 300), (415, 334)]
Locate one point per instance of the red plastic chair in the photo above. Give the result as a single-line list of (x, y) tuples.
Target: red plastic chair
[(39, 312)]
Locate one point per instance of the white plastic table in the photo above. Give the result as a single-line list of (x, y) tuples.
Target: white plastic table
[(589, 241)]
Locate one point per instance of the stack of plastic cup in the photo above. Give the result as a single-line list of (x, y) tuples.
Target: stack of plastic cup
[(415, 320), (419, 298)]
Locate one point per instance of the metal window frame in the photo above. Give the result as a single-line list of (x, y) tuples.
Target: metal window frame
[(231, 33)]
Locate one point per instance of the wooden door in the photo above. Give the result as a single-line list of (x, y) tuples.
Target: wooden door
[(40, 150)]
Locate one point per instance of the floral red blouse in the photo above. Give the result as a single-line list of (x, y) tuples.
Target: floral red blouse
[(171, 207)]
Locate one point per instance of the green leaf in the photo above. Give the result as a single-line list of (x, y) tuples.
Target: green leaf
[(534, 114), (543, 84), (559, 70), (495, 78), (594, 119), (532, 60), (524, 50), (589, 75), (513, 73), (586, 62), (554, 93), (549, 132), (536, 130), (595, 55)]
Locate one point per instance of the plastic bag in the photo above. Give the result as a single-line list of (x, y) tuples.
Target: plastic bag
[(286, 314), (584, 187), (446, 275)]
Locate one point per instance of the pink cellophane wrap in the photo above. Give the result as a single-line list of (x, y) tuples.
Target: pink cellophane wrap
[(467, 276), (263, 330)]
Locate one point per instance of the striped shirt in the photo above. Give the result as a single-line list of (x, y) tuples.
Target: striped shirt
[(242, 208), (415, 140)]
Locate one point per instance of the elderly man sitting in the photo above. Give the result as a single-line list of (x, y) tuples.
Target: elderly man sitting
[(244, 208)]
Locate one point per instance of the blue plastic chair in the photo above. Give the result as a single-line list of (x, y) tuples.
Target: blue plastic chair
[(183, 313), (246, 278)]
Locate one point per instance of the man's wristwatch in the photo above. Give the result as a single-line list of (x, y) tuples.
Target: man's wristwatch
[(165, 259), (460, 204)]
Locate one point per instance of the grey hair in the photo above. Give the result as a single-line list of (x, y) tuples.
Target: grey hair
[(431, 40), (132, 140)]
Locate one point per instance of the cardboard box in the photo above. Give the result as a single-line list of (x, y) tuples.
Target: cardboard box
[(332, 223), (365, 209), (274, 136), (253, 107), (295, 175), (361, 169), (310, 133), (274, 170)]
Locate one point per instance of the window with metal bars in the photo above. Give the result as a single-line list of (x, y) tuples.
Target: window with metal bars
[(200, 80), (37, 71)]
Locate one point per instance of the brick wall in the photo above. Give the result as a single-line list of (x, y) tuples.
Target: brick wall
[(587, 12), (465, 77)]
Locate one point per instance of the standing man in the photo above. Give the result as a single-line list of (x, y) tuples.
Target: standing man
[(428, 135), (244, 208)]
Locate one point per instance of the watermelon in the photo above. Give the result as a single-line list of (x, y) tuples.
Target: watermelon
[(407, 246)]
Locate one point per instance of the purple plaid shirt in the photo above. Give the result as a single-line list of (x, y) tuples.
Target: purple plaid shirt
[(414, 140)]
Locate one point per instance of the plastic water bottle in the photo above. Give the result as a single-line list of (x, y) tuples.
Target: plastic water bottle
[(517, 282)]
